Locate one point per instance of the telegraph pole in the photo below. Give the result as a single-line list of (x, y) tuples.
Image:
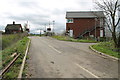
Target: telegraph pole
[(27, 24), (29, 28), (40, 32), (49, 24), (53, 25), (45, 27)]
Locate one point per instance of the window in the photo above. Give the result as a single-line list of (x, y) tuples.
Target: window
[(69, 20)]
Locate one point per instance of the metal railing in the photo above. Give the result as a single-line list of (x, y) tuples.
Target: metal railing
[(87, 31)]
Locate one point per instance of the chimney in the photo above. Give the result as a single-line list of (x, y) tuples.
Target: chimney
[(13, 22)]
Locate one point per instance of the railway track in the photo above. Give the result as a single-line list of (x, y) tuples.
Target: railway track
[(8, 66)]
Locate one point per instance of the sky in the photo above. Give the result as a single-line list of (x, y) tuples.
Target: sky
[(40, 12)]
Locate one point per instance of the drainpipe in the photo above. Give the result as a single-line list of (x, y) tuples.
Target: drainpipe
[(95, 28)]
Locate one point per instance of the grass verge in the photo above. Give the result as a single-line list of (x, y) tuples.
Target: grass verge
[(25, 70), (64, 38), (20, 48), (107, 48)]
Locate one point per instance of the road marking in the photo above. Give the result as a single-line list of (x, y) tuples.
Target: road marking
[(86, 70), (54, 49)]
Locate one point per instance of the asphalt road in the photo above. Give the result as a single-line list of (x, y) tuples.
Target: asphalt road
[(51, 58)]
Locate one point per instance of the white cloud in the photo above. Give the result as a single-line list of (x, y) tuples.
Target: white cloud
[(40, 12)]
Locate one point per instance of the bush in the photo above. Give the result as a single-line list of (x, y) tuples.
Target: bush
[(66, 38), (102, 39)]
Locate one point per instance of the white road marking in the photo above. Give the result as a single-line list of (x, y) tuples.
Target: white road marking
[(54, 49), (86, 70)]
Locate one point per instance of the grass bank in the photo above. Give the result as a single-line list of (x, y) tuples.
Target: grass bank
[(107, 48), (65, 38), (9, 39), (19, 48)]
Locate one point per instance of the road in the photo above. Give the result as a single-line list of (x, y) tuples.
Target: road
[(51, 58)]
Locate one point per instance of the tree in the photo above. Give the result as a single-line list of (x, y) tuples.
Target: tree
[(110, 9), (25, 26)]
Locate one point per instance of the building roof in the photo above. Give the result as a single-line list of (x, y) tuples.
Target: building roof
[(84, 14), (13, 26)]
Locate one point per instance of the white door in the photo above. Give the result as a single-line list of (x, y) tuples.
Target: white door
[(101, 33), (71, 33)]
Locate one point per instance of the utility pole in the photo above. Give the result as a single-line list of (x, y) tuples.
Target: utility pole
[(45, 27), (27, 24), (29, 28), (49, 33), (40, 32), (49, 24), (53, 25)]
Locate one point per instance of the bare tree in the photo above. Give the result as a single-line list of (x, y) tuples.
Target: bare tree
[(110, 9), (25, 26)]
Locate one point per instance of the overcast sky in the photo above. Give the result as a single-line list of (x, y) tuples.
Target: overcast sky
[(40, 12)]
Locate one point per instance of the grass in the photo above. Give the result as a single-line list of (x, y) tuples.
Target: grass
[(9, 39), (107, 48), (64, 38), (24, 74), (18, 47)]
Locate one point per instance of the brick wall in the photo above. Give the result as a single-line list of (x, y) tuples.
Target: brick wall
[(80, 25)]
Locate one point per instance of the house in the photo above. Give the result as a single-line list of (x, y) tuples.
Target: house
[(13, 28), (1, 32), (85, 24)]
